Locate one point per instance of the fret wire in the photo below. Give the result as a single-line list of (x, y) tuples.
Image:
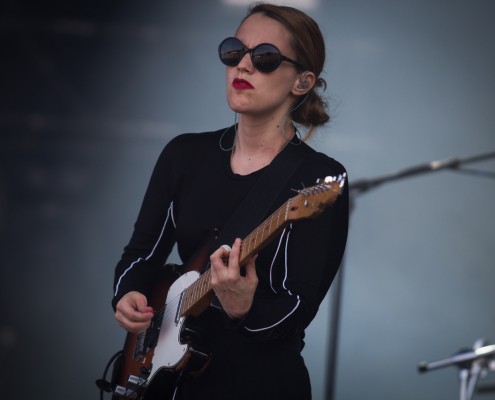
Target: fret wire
[(281, 212), (270, 226), (192, 296), (204, 286), (209, 281), (206, 281), (200, 287), (252, 237), (243, 247), (183, 307), (193, 293), (249, 242), (246, 245), (197, 290), (185, 303)]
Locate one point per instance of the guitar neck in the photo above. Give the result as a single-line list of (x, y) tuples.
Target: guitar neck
[(309, 202), (196, 298), (264, 233)]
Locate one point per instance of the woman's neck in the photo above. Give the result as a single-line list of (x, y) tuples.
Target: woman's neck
[(258, 143)]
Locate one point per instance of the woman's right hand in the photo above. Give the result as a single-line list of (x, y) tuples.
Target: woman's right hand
[(133, 313)]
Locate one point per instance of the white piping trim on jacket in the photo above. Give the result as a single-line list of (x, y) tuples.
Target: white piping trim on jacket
[(283, 285), (286, 267), (170, 214), (273, 261)]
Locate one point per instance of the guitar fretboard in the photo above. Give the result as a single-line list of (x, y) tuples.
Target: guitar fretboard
[(250, 245)]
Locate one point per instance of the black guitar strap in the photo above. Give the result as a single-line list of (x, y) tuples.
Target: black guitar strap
[(255, 206)]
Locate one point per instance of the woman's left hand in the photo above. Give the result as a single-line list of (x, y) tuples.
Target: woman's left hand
[(234, 291)]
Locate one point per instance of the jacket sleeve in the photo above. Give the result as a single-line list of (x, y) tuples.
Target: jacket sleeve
[(300, 268), (153, 236)]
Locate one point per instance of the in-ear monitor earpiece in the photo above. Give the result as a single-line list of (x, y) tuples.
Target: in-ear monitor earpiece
[(303, 85)]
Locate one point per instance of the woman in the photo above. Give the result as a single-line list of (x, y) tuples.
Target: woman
[(254, 328)]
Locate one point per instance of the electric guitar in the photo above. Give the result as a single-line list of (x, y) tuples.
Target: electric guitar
[(153, 361)]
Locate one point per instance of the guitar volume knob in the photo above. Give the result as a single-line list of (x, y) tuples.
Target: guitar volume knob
[(135, 381)]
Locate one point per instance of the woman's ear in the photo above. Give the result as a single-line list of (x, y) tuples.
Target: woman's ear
[(304, 83)]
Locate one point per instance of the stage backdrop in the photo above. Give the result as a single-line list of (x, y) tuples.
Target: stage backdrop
[(91, 94)]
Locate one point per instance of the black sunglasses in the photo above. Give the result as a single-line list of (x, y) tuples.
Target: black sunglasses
[(265, 57)]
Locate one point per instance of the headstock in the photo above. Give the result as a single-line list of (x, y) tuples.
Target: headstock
[(311, 201)]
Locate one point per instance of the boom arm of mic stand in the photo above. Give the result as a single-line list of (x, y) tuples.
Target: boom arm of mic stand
[(363, 185), (458, 359)]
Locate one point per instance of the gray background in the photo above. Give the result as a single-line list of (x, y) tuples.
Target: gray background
[(89, 96)]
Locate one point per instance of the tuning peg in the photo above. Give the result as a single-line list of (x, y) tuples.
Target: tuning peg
[(329, 179)]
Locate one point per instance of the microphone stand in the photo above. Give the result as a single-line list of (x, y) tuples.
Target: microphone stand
[(360, 187), (455, 163), (473, 364)]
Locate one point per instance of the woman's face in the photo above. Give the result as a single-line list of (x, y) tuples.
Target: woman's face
[(255, 93)]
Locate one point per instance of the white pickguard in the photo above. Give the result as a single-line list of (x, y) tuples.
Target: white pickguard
[(169, 351)]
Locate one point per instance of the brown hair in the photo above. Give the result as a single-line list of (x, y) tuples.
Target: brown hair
[(309, 46)]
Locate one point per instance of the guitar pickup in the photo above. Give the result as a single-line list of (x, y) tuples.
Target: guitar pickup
[(153, 332), (179, 308), (139, 349)]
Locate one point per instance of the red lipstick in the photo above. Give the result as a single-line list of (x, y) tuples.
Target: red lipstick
[(241, 84)]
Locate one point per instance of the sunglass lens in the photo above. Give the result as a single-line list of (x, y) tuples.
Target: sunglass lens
[(266, 58), (231, 51)]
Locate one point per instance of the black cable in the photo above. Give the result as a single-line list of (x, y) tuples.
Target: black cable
[(102, 383)]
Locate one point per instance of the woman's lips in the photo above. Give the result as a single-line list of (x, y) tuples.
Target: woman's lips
[(241, 84)]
